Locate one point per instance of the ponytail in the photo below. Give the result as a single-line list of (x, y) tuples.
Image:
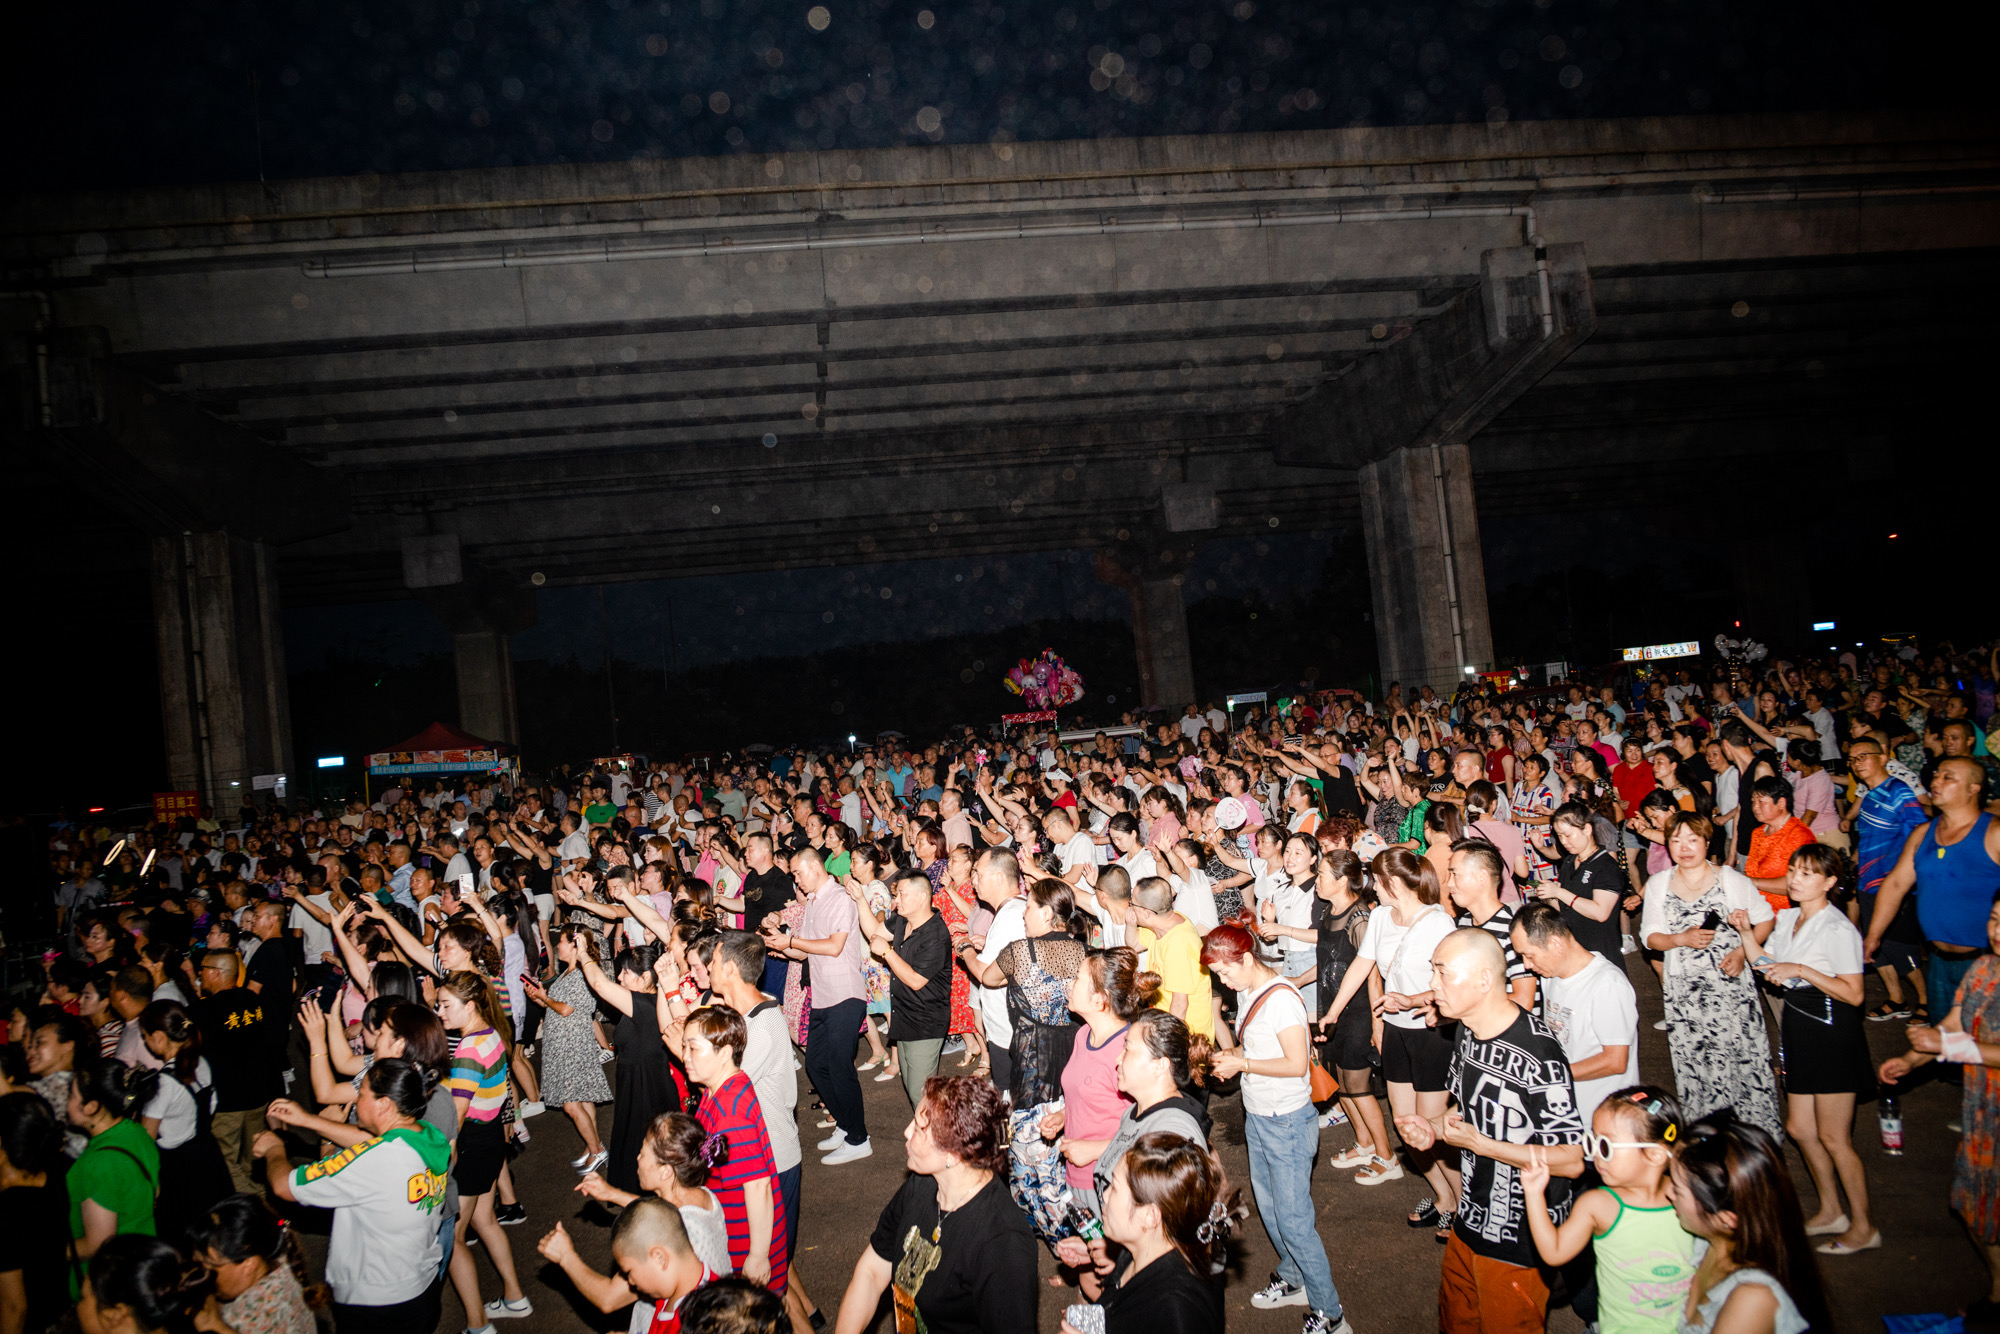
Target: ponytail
[(405, 1083), (149, 1278), (118, 1088)]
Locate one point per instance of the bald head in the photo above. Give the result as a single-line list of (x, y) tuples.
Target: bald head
[(1469, 980), (1467, 950)]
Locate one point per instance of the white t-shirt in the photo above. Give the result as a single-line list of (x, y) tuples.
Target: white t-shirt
[(1194, 899), (767, 1059), (1140, 864), (1403, 953), (174, 1106), (1008, 926), (1079, 851), (1294, 907), (314, 934), (1593, 1010), (1271, 1095), (1828, 943), (386, 1209), (1218, 722), (1191, 727)]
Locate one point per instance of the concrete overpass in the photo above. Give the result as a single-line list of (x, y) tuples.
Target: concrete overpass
[(446, 386)]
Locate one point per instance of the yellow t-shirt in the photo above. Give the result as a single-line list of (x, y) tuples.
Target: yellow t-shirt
[(1176, 957)]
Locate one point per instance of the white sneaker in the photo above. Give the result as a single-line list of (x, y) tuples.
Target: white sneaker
[(502, 1309), (1627, 945), (848, 1153), (521, 1135), (1277, 1293), (605, 1055), (528, 1109), (1332, 1117), (1660, 1024), (833, 1141)]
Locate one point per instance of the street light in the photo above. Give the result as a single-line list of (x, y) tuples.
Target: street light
[(850, 743)]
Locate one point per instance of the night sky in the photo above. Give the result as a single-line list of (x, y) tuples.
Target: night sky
[(170, 93)]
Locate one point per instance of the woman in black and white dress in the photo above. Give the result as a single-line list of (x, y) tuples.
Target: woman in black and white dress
[(1709, 920)]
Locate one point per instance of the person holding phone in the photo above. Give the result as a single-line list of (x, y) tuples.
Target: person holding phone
[(1708, 919)]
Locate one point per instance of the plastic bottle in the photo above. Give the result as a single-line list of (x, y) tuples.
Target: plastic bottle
[(1889, 1110)]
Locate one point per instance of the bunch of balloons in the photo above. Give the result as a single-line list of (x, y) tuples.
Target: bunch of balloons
[(1046, 682)]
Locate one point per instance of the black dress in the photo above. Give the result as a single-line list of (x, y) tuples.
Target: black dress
[(650, 1082)]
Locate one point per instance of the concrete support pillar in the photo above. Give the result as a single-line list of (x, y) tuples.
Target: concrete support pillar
[(1160, 638), (481, 609), (1424, 566), (1773, 586), (486, 685), (221, 645)]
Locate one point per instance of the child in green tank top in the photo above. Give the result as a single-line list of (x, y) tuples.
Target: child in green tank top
[(1645, 1259)]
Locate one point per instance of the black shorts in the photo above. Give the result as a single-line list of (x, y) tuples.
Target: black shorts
[(1416, 1056), (482, 1152), (1350, 1044)]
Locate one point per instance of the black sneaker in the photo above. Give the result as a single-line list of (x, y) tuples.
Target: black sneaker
[(510, 1214)]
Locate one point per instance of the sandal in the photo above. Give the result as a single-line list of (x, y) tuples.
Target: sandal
[(1444, 1228), (1358, 1156), (1382, 1169), (1425, 1214)]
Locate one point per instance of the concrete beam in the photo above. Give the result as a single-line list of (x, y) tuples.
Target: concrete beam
[(173, 468), (1453, 373), (223, 694)]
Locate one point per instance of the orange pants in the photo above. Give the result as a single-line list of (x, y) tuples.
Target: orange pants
[(1481, 1296)]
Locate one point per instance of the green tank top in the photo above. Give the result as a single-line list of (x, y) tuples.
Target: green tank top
[(1644, 1265)]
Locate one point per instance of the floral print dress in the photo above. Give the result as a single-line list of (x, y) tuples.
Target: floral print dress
[(1975, 1178), (962, 1018), (1721, 1047)]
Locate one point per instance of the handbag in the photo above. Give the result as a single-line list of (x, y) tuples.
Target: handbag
[(1323, 1087)]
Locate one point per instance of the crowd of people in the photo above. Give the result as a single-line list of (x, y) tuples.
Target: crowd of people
[(1418, 918)]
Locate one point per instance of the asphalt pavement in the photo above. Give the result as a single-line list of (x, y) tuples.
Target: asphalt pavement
[(1386, 1272)]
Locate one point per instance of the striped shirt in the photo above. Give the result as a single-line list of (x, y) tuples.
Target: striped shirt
[(732, 1111), (479, 1074)]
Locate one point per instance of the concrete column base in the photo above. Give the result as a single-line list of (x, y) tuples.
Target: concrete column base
[(223, 695), (1425, 567)]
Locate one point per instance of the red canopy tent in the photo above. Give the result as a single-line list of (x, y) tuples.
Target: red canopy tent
[(441, 749)]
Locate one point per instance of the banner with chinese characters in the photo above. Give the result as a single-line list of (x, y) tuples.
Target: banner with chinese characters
[(481, 761), (173, 805)]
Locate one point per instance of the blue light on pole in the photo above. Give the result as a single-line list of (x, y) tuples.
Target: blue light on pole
[(1822, 625), (333, 761)]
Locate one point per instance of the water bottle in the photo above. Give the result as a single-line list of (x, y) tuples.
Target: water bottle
[(1890, 1112), (1080, 1220)]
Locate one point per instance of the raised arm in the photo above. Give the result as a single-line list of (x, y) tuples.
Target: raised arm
[(608, 991), (406, 941)]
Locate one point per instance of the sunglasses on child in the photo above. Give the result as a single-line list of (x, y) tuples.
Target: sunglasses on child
[(1599, 1148)]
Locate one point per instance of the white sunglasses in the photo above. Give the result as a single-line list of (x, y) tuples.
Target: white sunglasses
[(1599, 1148)]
